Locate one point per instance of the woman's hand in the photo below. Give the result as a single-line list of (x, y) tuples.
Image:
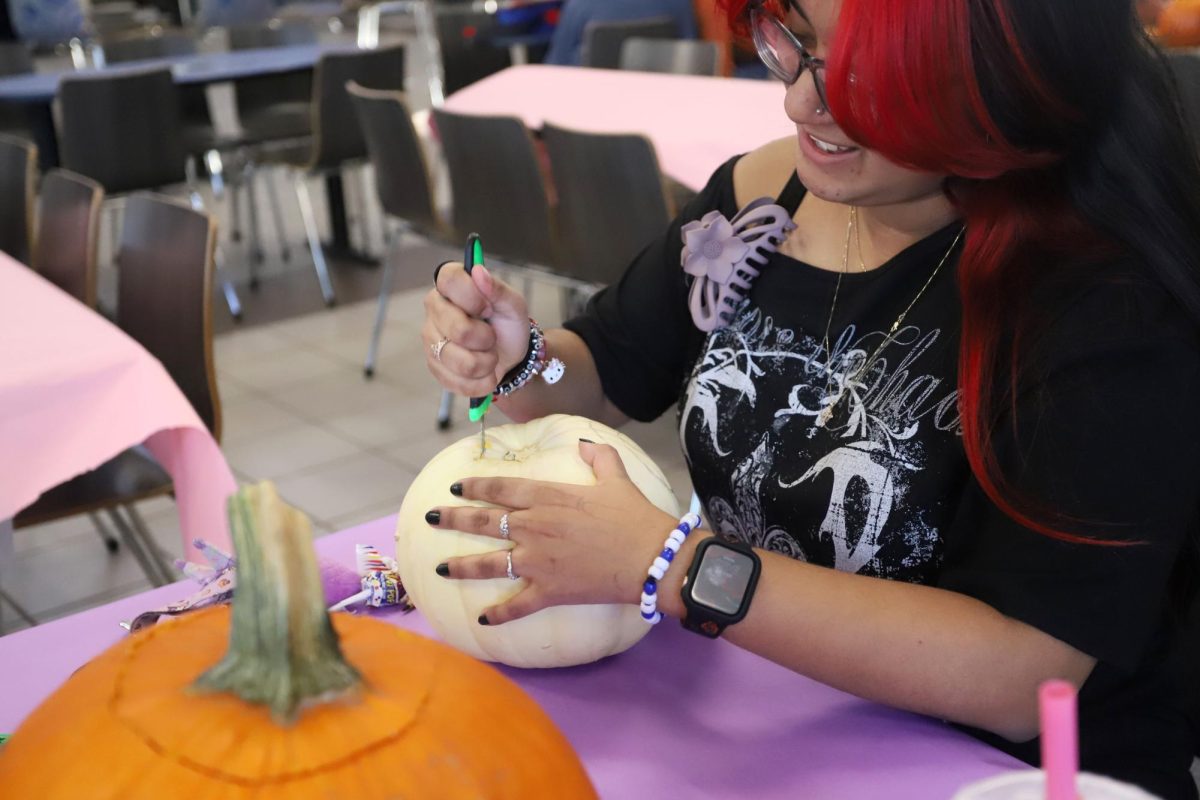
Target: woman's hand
[(573, 544), (485, 327)]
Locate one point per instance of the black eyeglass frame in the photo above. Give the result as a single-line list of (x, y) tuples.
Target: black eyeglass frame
[(807, 60)]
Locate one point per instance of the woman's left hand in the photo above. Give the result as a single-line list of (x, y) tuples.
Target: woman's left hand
[(573, 544)]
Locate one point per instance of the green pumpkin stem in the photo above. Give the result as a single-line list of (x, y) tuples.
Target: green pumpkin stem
[(283, 652)]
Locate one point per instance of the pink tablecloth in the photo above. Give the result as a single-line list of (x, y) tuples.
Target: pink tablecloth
[(678, 716), (695, 123), (75, 391)]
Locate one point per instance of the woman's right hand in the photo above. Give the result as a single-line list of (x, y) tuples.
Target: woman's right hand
[(485, 323)]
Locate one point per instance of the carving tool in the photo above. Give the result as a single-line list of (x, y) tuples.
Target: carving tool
[(473, 256)]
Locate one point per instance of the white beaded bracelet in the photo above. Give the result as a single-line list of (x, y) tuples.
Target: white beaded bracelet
[(662, 563)]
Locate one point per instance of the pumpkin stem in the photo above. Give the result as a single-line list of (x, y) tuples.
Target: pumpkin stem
[(283, 652)]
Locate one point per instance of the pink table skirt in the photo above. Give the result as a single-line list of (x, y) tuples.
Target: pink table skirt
[(75, 391), (696, 123), (677, 716)]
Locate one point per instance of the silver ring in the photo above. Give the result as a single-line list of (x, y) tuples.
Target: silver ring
[(504, 526), (436, 348), (512, 576)]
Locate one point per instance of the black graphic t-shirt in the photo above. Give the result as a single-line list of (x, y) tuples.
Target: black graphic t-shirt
[(880, 485)]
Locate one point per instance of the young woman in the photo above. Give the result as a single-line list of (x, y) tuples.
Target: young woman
[(947, 389)]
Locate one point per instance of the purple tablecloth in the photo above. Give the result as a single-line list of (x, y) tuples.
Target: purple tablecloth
[(676, 716)]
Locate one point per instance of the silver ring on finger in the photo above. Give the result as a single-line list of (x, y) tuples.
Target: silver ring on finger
[(512, 576), (504, 526), (436, 348)]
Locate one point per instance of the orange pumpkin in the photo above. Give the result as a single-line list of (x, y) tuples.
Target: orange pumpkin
[(296, 708), (1179, 24)]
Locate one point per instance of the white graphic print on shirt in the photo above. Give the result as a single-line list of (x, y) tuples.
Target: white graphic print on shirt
[(755, 377)]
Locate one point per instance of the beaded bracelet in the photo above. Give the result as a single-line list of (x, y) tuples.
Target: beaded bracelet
[(662, 562), (534, 364)]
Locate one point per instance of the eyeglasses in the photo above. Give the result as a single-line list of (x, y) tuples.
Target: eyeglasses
[(782, 53)]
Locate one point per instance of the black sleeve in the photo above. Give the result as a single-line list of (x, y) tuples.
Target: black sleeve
[(639, 330), (1107, 435)]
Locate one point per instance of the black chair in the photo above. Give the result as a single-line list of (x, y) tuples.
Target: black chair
[(15, 59), (405, 193), (602, 41), (165, 263), (678, 56), (467, 53), (270, 109), (68, 231), (18, 174), (171, 10), (158, 43), (124, 131), (194, 114), (498, 186), (337, 140), (121, 17), (611, 200)]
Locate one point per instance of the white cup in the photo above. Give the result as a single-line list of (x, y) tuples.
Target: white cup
[(1031, 785)]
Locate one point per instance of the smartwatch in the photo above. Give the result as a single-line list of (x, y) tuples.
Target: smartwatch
[(719, 585)]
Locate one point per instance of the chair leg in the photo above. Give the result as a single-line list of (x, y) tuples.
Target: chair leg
[(285, 250), (231, 297), (235, 211), (165, 569), (110, 542), (353, 209), (256, 251), (368, 213), (216, 174), (444, 409), (21, 612), (114, 221), (130, 538), (385, 295), (314, 239)]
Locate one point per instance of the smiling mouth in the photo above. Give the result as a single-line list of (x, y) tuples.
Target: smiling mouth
[(829, 147)]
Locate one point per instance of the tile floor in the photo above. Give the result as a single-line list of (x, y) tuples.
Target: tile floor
[(296, 410)]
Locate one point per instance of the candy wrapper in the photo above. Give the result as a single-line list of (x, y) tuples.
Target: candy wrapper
[(217, 580), (380, 582), (375, 582)]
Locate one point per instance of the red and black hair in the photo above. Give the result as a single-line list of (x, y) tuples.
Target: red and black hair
[(1058, 127)]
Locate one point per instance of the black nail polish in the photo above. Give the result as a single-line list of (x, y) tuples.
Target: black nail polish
[(589, 441), (433, 517), (443, 569), (456, 489), (483, 620)]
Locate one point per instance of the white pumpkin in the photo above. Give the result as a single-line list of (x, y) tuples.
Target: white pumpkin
[(545, 449)]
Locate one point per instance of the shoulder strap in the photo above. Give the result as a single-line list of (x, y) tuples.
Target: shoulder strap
[(792, 194)]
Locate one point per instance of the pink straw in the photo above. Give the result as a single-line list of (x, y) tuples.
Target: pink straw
[(1060, 739)]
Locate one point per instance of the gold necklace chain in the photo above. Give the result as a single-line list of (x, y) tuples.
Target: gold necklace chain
[(827, 412), (857, 238), (837, 287)]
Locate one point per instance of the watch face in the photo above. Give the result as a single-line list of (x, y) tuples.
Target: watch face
[(722, 578)]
